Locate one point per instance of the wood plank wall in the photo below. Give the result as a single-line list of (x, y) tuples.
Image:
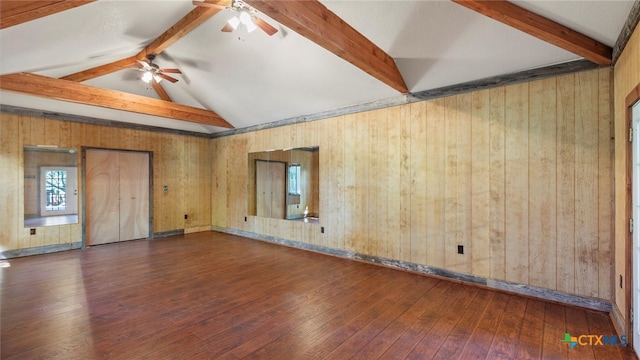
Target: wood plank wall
[(181, 162), (626, 78), (521, 176)]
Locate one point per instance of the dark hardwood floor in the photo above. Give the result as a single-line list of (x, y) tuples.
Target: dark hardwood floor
[(218, 296)]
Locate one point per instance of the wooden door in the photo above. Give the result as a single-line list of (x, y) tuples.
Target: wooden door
[(263, 189), (278, 189), (102, 201), (134, 195), (117, 196), (270, 189)]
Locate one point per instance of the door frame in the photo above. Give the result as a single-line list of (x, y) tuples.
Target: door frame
[(83, 181), (630, 100)]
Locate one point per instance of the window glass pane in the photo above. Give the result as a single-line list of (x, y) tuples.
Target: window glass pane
[(294, 179), (56, 189)]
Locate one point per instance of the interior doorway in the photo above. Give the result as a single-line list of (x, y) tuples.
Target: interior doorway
[(118, 196)]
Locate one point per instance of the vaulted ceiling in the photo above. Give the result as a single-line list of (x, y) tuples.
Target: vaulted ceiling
[(79, 57)]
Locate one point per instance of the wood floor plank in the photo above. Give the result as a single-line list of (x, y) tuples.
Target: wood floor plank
[(480, 342), (598, 324), (505, 342), (530, 346), (461, 333), (445, 323), (213, 295), (430, 304), (554, 319)]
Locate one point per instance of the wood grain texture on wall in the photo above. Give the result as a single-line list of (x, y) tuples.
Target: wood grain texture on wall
[(626, 78), (520, 176), (181, 162)]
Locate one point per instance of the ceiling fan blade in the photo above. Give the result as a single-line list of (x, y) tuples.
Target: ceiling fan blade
[(205, 4), (227, 28), (168, 78), (270, 30), (171, 71), (144, 65)]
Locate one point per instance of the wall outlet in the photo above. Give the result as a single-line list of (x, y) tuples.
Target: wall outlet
[(245, 219), (322, 229), (460, 249), (32, 231), (186, 216)]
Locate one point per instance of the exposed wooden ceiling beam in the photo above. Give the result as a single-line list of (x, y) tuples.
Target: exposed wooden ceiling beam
[(314, 21), (189, 22), (160, 90), (18, 12), (542, 28), (71, 91), (101, 70)]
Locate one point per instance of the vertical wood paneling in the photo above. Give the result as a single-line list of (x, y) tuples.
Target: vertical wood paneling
[(350, 151), (463, 183), (197, 175), (605, 185), (178, 178), (10, 152), (22, 240), (452, 258), (517, 183), (52, 131), (38, 132), (435, 184), (405, 182), (412, 182), (35, 131), (565, 184), (64, 133), (379, 185), (418, 182), (239, 206), (361, 200), (586, 185), (332, 205), (495, 171), (394, 179), (480, 184), (542, 184), (51, 235), (497, 187), (219, 171)]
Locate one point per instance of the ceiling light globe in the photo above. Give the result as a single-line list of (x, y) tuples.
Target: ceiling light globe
[(245, 18), (234, 22), (147, 77)]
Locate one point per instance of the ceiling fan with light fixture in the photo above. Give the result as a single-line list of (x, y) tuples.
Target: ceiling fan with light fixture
[(153, 72), (246, 15)]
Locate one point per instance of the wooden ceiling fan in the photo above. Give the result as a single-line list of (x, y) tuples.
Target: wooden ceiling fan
[(246, 15), (152, 72)]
